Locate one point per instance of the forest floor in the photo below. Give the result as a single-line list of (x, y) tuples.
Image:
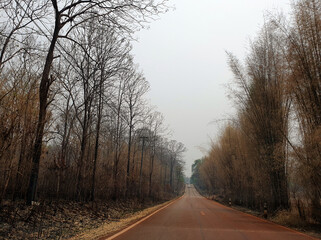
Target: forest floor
[(70, 220)]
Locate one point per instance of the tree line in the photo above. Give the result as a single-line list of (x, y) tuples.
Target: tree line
[(271, 151), (74, 120)]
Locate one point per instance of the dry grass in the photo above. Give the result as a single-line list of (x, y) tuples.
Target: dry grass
[(289, 218), (292, 219)]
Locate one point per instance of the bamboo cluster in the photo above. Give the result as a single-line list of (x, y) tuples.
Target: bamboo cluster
[(271, 152)]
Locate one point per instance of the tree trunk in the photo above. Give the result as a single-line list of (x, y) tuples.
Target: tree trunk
[(150, 175), (128, 157), (92, 197), (43, 100), (171, 173), (141, 170), (82, 156)]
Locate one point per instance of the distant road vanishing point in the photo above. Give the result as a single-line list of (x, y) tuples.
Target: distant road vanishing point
[(194, 217)]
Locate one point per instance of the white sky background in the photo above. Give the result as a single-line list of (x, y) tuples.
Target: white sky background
[(183, 57)]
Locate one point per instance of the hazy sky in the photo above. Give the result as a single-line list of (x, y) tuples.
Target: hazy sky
[(183, 58)]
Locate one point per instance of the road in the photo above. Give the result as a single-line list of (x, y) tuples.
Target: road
[(195, 217)]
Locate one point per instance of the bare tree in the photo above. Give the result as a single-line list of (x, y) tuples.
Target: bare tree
[(68, 16), (176, 150), (155, 122), (136, 87), (17, 15), (112, 58)]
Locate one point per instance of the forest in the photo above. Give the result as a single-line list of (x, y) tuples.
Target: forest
[(270, 152), (75, 122)]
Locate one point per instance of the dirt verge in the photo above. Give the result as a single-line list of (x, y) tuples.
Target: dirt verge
[(110, 228), (284, 218)]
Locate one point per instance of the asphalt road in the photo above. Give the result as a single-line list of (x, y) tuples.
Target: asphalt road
[(195, 217)]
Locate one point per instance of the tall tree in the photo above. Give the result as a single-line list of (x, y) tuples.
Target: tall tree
[(136, 87), (68, 16)]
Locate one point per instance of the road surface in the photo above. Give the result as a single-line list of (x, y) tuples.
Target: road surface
[(195, 217)]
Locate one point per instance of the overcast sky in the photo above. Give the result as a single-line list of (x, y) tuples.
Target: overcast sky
[(183, 57)]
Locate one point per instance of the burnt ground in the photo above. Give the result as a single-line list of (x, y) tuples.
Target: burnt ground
[(62, 219)]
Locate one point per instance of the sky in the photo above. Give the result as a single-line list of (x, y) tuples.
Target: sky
[(183, 57)]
